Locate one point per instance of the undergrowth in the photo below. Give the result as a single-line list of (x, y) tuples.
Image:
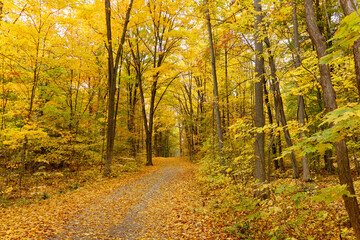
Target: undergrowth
[(293, 210), (46, 183)]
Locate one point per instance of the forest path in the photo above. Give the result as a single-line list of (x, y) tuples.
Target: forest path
[(154, 206)]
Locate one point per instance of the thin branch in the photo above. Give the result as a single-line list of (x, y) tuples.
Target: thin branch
[(162, 95)]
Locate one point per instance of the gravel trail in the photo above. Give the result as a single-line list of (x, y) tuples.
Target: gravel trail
[(124, 213)]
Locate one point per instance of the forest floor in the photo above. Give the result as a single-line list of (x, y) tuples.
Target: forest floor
[(158, 202)]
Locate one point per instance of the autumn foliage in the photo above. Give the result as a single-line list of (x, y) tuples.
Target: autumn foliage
[(249, 108)]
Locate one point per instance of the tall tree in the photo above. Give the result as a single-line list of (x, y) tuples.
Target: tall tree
[(301, 103), (154, 42), (132, 99), (259, 171), (279, 107), (113, 67), (351, 203), (215, 82)]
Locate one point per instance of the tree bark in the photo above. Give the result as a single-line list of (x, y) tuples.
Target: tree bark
[(351, 203), (1, 10), (215, 91), (259, 171)]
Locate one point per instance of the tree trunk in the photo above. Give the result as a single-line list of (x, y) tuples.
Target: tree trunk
[(191, 125), (180, 139), (271, 121), (227, 90), (280, 108), (1, 10), (301, 103), (301, 116), (132, 90), (216, 95), (281, 160), (356, 161), (112, 72), (151, 123), (200, 112), (148, 148), (111, 90), (148, 131), (278, 164), (328, 160), (259, 171), (351, 203)]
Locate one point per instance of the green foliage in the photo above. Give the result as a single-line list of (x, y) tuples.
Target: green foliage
[(74, 186), (45, 196), (240, 229), (332, 193), (347, 33), (344, 123)]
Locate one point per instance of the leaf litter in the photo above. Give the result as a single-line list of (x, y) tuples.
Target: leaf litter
[(159, 202)]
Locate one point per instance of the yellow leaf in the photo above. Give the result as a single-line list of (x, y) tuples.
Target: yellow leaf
[(8, 190)]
